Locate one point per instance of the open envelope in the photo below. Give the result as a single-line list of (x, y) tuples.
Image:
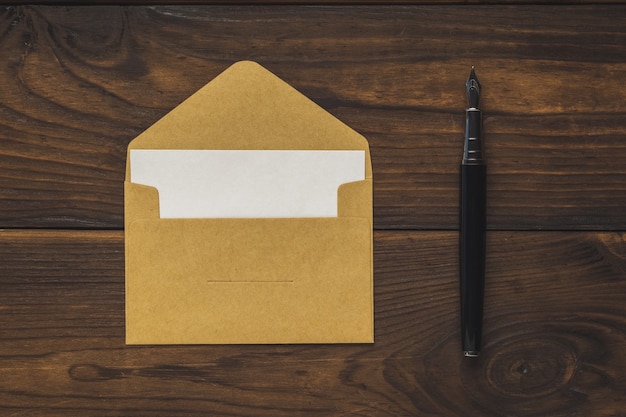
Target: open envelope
[(249, 280)]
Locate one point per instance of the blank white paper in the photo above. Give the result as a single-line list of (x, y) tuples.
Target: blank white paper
[(246, 183)]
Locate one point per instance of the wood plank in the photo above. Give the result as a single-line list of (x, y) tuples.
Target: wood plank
[(309, 2), (554, 330), (79, 83)]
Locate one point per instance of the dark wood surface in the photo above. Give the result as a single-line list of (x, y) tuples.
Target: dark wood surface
[(78, 83)]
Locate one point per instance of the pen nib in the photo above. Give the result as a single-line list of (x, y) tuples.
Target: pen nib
[(473, 90)]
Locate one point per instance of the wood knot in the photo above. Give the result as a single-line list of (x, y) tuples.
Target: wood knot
[(531, 369), (524, 368)]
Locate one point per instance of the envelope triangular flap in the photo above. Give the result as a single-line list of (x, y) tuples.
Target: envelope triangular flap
[(248, 107)]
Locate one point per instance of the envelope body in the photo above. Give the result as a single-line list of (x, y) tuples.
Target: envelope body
[(249, 280)]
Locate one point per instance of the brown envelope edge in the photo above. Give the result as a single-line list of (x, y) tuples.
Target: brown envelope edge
[(248, 107)]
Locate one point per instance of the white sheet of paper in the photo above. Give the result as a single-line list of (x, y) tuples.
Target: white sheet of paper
[(246, 183)]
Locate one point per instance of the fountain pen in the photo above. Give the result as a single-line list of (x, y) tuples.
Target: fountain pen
[(472, 224)]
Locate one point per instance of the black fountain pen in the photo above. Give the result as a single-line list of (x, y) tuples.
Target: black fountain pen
[(473, 224)]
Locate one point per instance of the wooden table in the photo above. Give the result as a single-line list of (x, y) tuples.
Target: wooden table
[(78, 83)]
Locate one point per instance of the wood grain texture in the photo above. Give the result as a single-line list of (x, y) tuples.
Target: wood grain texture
[(309, 2), (555, 330), (78, 83)]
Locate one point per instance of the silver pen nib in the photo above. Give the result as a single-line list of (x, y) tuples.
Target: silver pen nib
[(473, 90)]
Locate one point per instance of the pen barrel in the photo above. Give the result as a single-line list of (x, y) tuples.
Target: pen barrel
[(472, 254)]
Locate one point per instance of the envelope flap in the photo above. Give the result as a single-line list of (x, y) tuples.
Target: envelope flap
[(248, 107)]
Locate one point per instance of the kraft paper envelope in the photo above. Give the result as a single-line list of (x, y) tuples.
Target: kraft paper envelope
[(249, 280)]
